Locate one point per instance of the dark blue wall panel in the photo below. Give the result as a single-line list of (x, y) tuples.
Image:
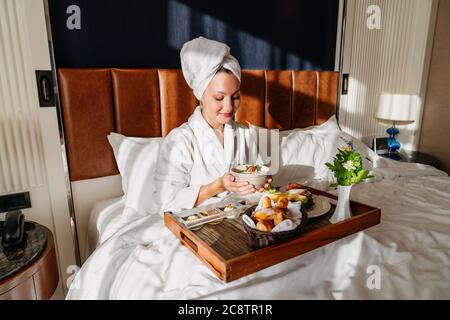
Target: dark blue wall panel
[(277, 34)]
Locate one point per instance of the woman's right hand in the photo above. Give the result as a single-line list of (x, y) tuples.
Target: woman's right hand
[(241, 188)]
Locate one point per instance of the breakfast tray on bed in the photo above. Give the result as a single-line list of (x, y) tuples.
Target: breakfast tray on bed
[(226, 250)]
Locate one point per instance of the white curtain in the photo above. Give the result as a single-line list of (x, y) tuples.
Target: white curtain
[(392, 59), (21, 155)]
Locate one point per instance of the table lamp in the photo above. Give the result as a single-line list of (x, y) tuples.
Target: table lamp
[(396, 108)]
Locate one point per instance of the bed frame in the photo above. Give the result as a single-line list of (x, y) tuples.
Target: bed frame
[(151, 102)]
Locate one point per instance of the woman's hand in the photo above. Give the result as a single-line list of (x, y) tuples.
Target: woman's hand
[(225, 183), (266, 185), (241, 188)]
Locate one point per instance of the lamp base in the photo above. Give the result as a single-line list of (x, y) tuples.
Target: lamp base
[(393, 144)]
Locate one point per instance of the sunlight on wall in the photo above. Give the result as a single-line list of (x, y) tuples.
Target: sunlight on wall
[(388, 60)]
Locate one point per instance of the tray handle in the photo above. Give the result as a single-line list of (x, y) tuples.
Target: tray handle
[(193, 246), (188, 242)]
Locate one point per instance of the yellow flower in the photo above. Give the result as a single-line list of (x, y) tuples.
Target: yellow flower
[(347, 149)]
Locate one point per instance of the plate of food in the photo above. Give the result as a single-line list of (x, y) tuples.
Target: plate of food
[(254, 174), (321, 207), (294, 192), (314, 205)]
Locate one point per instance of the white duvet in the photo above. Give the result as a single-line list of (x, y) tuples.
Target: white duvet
[(407, 256)]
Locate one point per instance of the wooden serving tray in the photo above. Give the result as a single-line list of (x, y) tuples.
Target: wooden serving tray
[(225, 248)]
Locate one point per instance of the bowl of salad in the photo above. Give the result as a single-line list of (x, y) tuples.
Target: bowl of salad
[(252, 173)]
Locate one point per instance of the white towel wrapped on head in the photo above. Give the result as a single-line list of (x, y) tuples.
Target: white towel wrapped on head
[(201, 58)]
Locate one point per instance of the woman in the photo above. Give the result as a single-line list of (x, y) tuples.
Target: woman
[(193, 168), (196, 158)]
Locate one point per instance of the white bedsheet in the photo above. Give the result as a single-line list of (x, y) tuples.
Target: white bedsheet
[(102, 215), (411, 248)]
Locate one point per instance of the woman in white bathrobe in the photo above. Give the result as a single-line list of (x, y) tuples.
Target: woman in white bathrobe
[(196, 158), (142, 259)]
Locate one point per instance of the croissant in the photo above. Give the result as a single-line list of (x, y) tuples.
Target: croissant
[(282, 203), (261, 226), (279, 217), (260, 216), (267, 203)]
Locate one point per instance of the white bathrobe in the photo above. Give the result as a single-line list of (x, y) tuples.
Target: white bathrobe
[(192, 156)]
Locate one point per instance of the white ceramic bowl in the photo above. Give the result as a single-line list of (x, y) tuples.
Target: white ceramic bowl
[(257, 179)]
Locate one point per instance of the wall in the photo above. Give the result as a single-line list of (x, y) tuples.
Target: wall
[(435, 137), (24, 49), (392, 59), (264, 34)]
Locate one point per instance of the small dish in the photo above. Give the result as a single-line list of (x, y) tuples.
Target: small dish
[(212, 212), (257, 178), (191, 219), (321, 207)]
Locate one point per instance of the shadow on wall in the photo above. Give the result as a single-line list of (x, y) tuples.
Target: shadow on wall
[(287, 34)]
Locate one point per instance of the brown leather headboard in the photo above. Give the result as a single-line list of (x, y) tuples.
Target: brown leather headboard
[(151, 102)]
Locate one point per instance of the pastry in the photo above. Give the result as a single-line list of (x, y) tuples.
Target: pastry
[(282, 202), (278, 210), (262, 226), (278, 217), (266, 203), (260, 216)]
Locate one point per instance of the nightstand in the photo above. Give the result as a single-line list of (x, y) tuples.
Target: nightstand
[(415, 157), (29, 271)]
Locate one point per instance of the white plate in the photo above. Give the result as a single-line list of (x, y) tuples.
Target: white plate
[(321, 206)]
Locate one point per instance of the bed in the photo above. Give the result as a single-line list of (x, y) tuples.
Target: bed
[(103, 214), (406, 256)]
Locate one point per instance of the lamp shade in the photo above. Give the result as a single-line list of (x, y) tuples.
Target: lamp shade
[(397, 107)]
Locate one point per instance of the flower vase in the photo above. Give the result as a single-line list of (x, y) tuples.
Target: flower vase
[(342, 211)]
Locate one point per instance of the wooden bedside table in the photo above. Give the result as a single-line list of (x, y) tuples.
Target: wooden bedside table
[(415, 157), (29, 271)]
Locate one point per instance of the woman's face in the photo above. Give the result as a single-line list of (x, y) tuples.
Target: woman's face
[(221, 99)]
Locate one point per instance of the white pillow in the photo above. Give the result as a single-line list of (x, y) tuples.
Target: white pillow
[(304, 152), (136, 159), (309, 150)]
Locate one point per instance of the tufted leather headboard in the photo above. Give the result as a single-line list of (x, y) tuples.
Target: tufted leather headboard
[(151, 102)]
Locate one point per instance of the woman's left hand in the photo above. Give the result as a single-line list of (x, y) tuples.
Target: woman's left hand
[(266, 185)]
